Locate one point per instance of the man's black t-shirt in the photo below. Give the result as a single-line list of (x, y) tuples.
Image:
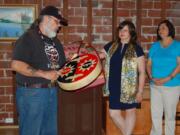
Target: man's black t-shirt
[(40, 52)]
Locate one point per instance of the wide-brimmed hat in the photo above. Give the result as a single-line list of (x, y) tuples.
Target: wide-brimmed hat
[(53, 11)]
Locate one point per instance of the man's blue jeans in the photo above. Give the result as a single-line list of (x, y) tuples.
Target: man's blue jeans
[(37, 110)]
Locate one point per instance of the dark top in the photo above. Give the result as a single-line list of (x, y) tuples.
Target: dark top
[(115, 77), (40, 52)]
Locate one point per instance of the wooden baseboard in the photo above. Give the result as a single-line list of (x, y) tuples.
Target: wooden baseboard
[(9, 127)]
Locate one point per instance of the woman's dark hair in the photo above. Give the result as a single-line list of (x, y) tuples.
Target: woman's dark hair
[(170, 28), (132, 31)]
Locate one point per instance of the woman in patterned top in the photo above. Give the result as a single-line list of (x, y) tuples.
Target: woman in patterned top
[(125, 76)]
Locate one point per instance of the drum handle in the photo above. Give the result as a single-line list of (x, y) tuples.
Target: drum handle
[(90, 46), (86, 45)]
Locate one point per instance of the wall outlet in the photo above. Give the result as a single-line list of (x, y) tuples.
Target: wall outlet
[(9, 120)]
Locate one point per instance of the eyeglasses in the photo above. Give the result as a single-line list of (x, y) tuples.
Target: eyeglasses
[(55, 20)]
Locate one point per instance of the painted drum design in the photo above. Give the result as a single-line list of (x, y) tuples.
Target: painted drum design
[(79, 72)]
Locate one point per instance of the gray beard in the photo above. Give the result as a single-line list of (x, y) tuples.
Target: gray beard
[(50, 33)]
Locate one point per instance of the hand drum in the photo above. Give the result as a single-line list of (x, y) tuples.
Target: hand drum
[(80, 72)]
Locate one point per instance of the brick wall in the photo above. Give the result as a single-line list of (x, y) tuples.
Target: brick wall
[(151, 15)]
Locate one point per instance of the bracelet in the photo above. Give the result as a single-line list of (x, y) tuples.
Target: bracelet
[(139, 91), (171, 76), (150, 77)]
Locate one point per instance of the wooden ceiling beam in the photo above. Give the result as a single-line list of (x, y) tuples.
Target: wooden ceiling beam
[(114, 19), (65, 29), (89, 22), (139, 18)]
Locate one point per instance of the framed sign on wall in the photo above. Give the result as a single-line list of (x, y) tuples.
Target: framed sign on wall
[(15, 20)]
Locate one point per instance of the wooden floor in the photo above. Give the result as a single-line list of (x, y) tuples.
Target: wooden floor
[(14, 131), (9, 131)]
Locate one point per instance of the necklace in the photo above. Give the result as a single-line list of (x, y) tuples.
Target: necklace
[(50, 51)]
